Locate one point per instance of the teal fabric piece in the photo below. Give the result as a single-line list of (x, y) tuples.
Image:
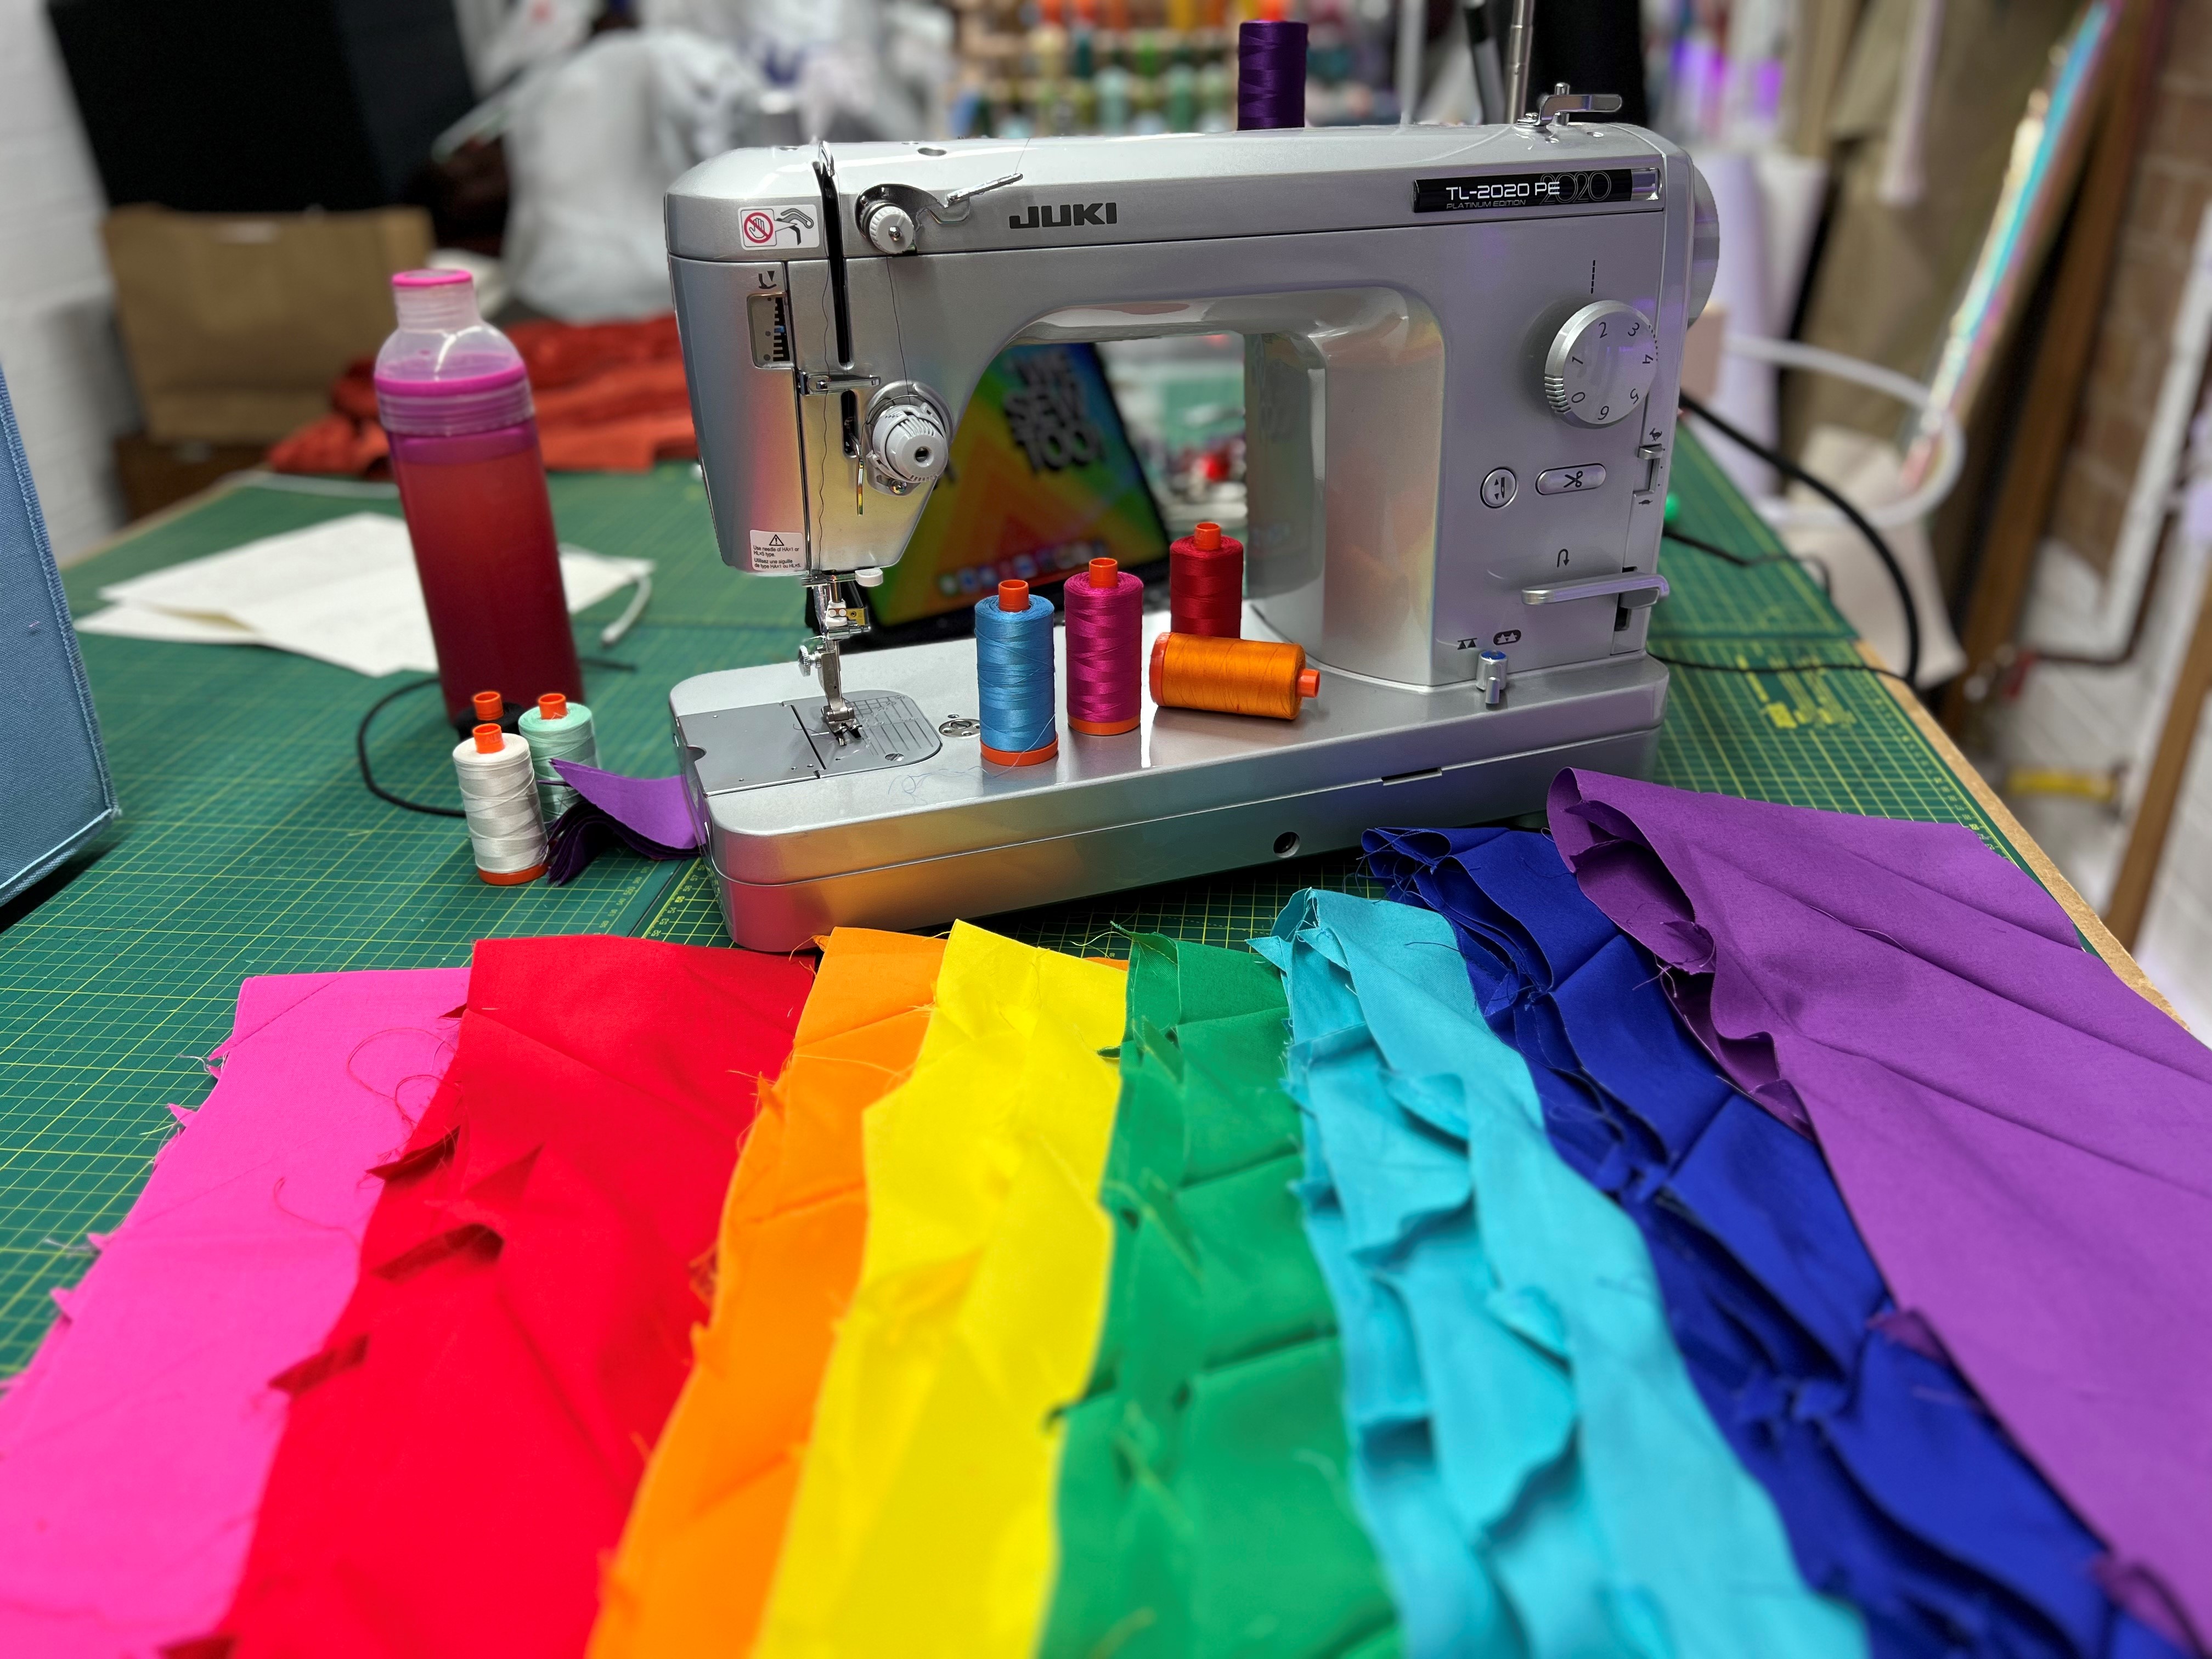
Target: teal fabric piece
[(1538, 1474)]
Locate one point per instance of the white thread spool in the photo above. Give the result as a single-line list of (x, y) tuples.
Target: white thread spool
[(557, 730), (499, 795)]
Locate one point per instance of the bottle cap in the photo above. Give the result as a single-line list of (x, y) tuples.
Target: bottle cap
[(490, 705), (434, 300), (490, 739), (1206, 535), (1309, 682), (1105, 573), (553, 706), (1013, 595)]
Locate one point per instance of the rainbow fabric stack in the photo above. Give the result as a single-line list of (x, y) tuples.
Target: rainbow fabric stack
[(1712, 1229)]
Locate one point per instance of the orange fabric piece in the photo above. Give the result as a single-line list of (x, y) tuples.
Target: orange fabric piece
[(699, 1553)]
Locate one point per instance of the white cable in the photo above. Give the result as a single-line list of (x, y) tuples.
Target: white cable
[(499, 794), (612, 632), (1951, 441)]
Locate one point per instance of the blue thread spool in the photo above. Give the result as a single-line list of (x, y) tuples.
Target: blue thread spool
[(1014, 676)]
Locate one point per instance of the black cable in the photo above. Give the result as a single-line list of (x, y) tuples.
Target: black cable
[(1781, 667), (360, 752), (1818, 567), (1827, 492), (361, 738)]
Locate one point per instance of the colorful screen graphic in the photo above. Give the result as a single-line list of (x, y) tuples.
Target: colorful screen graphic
[(1042, 480)]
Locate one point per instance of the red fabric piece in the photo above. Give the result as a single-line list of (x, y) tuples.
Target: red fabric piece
[(463, 1450), (610, 397), (559, 353), (334, 443)]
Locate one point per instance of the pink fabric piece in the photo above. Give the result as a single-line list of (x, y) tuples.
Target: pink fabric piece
[(134, 1447)]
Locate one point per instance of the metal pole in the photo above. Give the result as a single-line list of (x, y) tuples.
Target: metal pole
[(1412, 24), (1520, 45)]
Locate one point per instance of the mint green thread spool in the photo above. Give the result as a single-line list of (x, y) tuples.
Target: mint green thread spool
[(557, 730)]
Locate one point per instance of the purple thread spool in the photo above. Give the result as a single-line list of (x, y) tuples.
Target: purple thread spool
[(1271, 74)]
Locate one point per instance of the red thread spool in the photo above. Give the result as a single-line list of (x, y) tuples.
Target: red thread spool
[(1206, 584), (1232, 677), (1104, 608)]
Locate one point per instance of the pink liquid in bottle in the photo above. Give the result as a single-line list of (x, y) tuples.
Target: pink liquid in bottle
[(453, 393)]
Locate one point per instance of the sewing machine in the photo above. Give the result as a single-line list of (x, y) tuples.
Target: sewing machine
[(1462, 354)]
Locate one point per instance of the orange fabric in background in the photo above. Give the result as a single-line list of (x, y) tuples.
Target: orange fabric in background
[(699, 1553), (610, 397)]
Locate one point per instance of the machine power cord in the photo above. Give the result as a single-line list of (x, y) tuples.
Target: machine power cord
[(360, 740), (1818, 567), (1789, 469), (1781, 667)]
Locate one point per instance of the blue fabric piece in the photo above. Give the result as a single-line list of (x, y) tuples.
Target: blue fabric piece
[(55, 793), (1898, 1491), (1531, 1458)]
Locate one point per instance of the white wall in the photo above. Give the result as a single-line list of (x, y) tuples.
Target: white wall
[(57, 346)]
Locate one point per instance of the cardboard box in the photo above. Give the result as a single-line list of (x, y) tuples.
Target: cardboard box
[(236, 325)]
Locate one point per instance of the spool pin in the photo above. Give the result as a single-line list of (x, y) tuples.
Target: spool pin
[(1231, 676)]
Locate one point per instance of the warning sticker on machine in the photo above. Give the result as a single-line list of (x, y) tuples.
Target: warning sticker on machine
[(779, 228), (779, 549)]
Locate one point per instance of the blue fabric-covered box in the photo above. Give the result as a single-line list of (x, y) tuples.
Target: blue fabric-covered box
[(55, 793)]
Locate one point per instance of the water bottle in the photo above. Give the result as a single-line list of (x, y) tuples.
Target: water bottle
[(454, 399)]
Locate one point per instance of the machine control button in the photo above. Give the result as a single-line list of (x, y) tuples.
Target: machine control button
[(1500, 486), (1570, 480), (1602, 364)]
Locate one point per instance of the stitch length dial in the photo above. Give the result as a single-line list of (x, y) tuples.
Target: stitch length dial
[(1602, 364)]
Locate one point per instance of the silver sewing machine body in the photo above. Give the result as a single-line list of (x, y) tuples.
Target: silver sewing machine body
[(1461, 351)]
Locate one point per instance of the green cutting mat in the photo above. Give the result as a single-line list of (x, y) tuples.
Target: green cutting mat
[(248, 845)]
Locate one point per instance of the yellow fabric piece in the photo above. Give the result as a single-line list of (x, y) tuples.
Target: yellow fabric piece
[(700, 1548), (924, 1519)]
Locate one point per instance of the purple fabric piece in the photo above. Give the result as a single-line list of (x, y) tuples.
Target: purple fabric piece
[(2024, 1143), (654, 807), (583, 832)]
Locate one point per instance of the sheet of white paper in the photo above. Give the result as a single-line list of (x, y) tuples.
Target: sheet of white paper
[(140, 622), (343, 591)]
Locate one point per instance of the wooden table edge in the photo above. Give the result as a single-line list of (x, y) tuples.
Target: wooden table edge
[(2076, 907)]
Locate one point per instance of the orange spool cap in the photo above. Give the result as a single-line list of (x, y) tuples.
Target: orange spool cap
[(1105, 573), (490, 705), (553, 706), (490, 739), (1013, 594), (1231, 676)]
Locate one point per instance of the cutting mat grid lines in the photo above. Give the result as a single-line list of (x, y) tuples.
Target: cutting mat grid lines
[(248, 845)]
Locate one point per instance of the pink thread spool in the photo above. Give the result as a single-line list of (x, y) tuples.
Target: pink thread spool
[(1105, 610)]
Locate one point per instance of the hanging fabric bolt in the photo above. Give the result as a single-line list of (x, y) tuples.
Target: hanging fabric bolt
[(500, 796), (1014, 677), (1232, 677), (557, 730), (1206, 583), (1105, 636)]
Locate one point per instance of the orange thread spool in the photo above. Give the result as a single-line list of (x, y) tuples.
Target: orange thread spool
[(1231, 676)]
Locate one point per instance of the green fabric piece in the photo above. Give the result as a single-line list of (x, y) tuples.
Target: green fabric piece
[(1204, 1498)]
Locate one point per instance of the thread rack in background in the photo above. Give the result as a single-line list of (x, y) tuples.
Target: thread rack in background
[(1034, 68)]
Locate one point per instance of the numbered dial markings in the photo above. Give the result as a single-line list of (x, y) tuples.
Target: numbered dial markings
[(1602, 364)]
